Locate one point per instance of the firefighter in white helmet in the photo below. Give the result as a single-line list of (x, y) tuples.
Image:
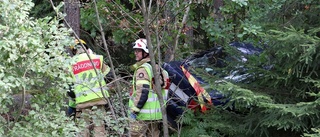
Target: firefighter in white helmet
[(86, 92), (144, 106)]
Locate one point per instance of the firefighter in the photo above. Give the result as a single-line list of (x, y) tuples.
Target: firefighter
[(144, 106), (86, 95)]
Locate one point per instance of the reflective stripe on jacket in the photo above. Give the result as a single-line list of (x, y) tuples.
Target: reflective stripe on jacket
[(151, 110), (86, 81)]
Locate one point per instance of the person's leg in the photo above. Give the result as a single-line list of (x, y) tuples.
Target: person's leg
[(153, 129), (98, 119), (84, 114), (138, 128)]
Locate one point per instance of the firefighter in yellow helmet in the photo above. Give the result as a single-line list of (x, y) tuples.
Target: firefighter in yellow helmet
[(145, 109), (78, 45), (86, 92)]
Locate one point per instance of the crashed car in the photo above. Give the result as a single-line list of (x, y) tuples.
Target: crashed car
[(187, 90)]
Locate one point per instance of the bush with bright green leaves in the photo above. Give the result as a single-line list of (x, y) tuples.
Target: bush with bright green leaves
[(33, 62)]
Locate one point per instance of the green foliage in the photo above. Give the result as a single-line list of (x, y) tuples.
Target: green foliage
[(44, 122), (43, 8), (250, 114), (215, 31), (33, 62), (116, 19), (120, 24), (215, 123), (295, 55), (315, 134), (282, 100)]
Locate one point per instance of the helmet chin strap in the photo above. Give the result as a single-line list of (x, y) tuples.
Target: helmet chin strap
[(144, 55)]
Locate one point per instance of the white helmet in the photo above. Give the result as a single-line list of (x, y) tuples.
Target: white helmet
[(141, 44)]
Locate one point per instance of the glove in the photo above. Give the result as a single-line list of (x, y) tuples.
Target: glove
[(133, 116), (70, 92)]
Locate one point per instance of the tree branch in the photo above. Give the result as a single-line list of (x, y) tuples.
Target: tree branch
[(109, 57), (180, 27), (154, 69), (95, 69)]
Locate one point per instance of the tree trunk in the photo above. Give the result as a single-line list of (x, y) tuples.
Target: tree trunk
[(168, 15), (217, 4), (72, 9), (188, 30), (180, 26), (146, 14)]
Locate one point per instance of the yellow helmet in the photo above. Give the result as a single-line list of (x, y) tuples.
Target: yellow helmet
[(81, 41), (77, 44)]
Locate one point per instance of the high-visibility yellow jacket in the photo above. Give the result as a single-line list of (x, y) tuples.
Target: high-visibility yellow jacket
[(144, 100), (86, 81)]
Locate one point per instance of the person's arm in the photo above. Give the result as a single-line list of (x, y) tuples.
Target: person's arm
[(142, 85), (71, 107), (105, 69), (71, 103)]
